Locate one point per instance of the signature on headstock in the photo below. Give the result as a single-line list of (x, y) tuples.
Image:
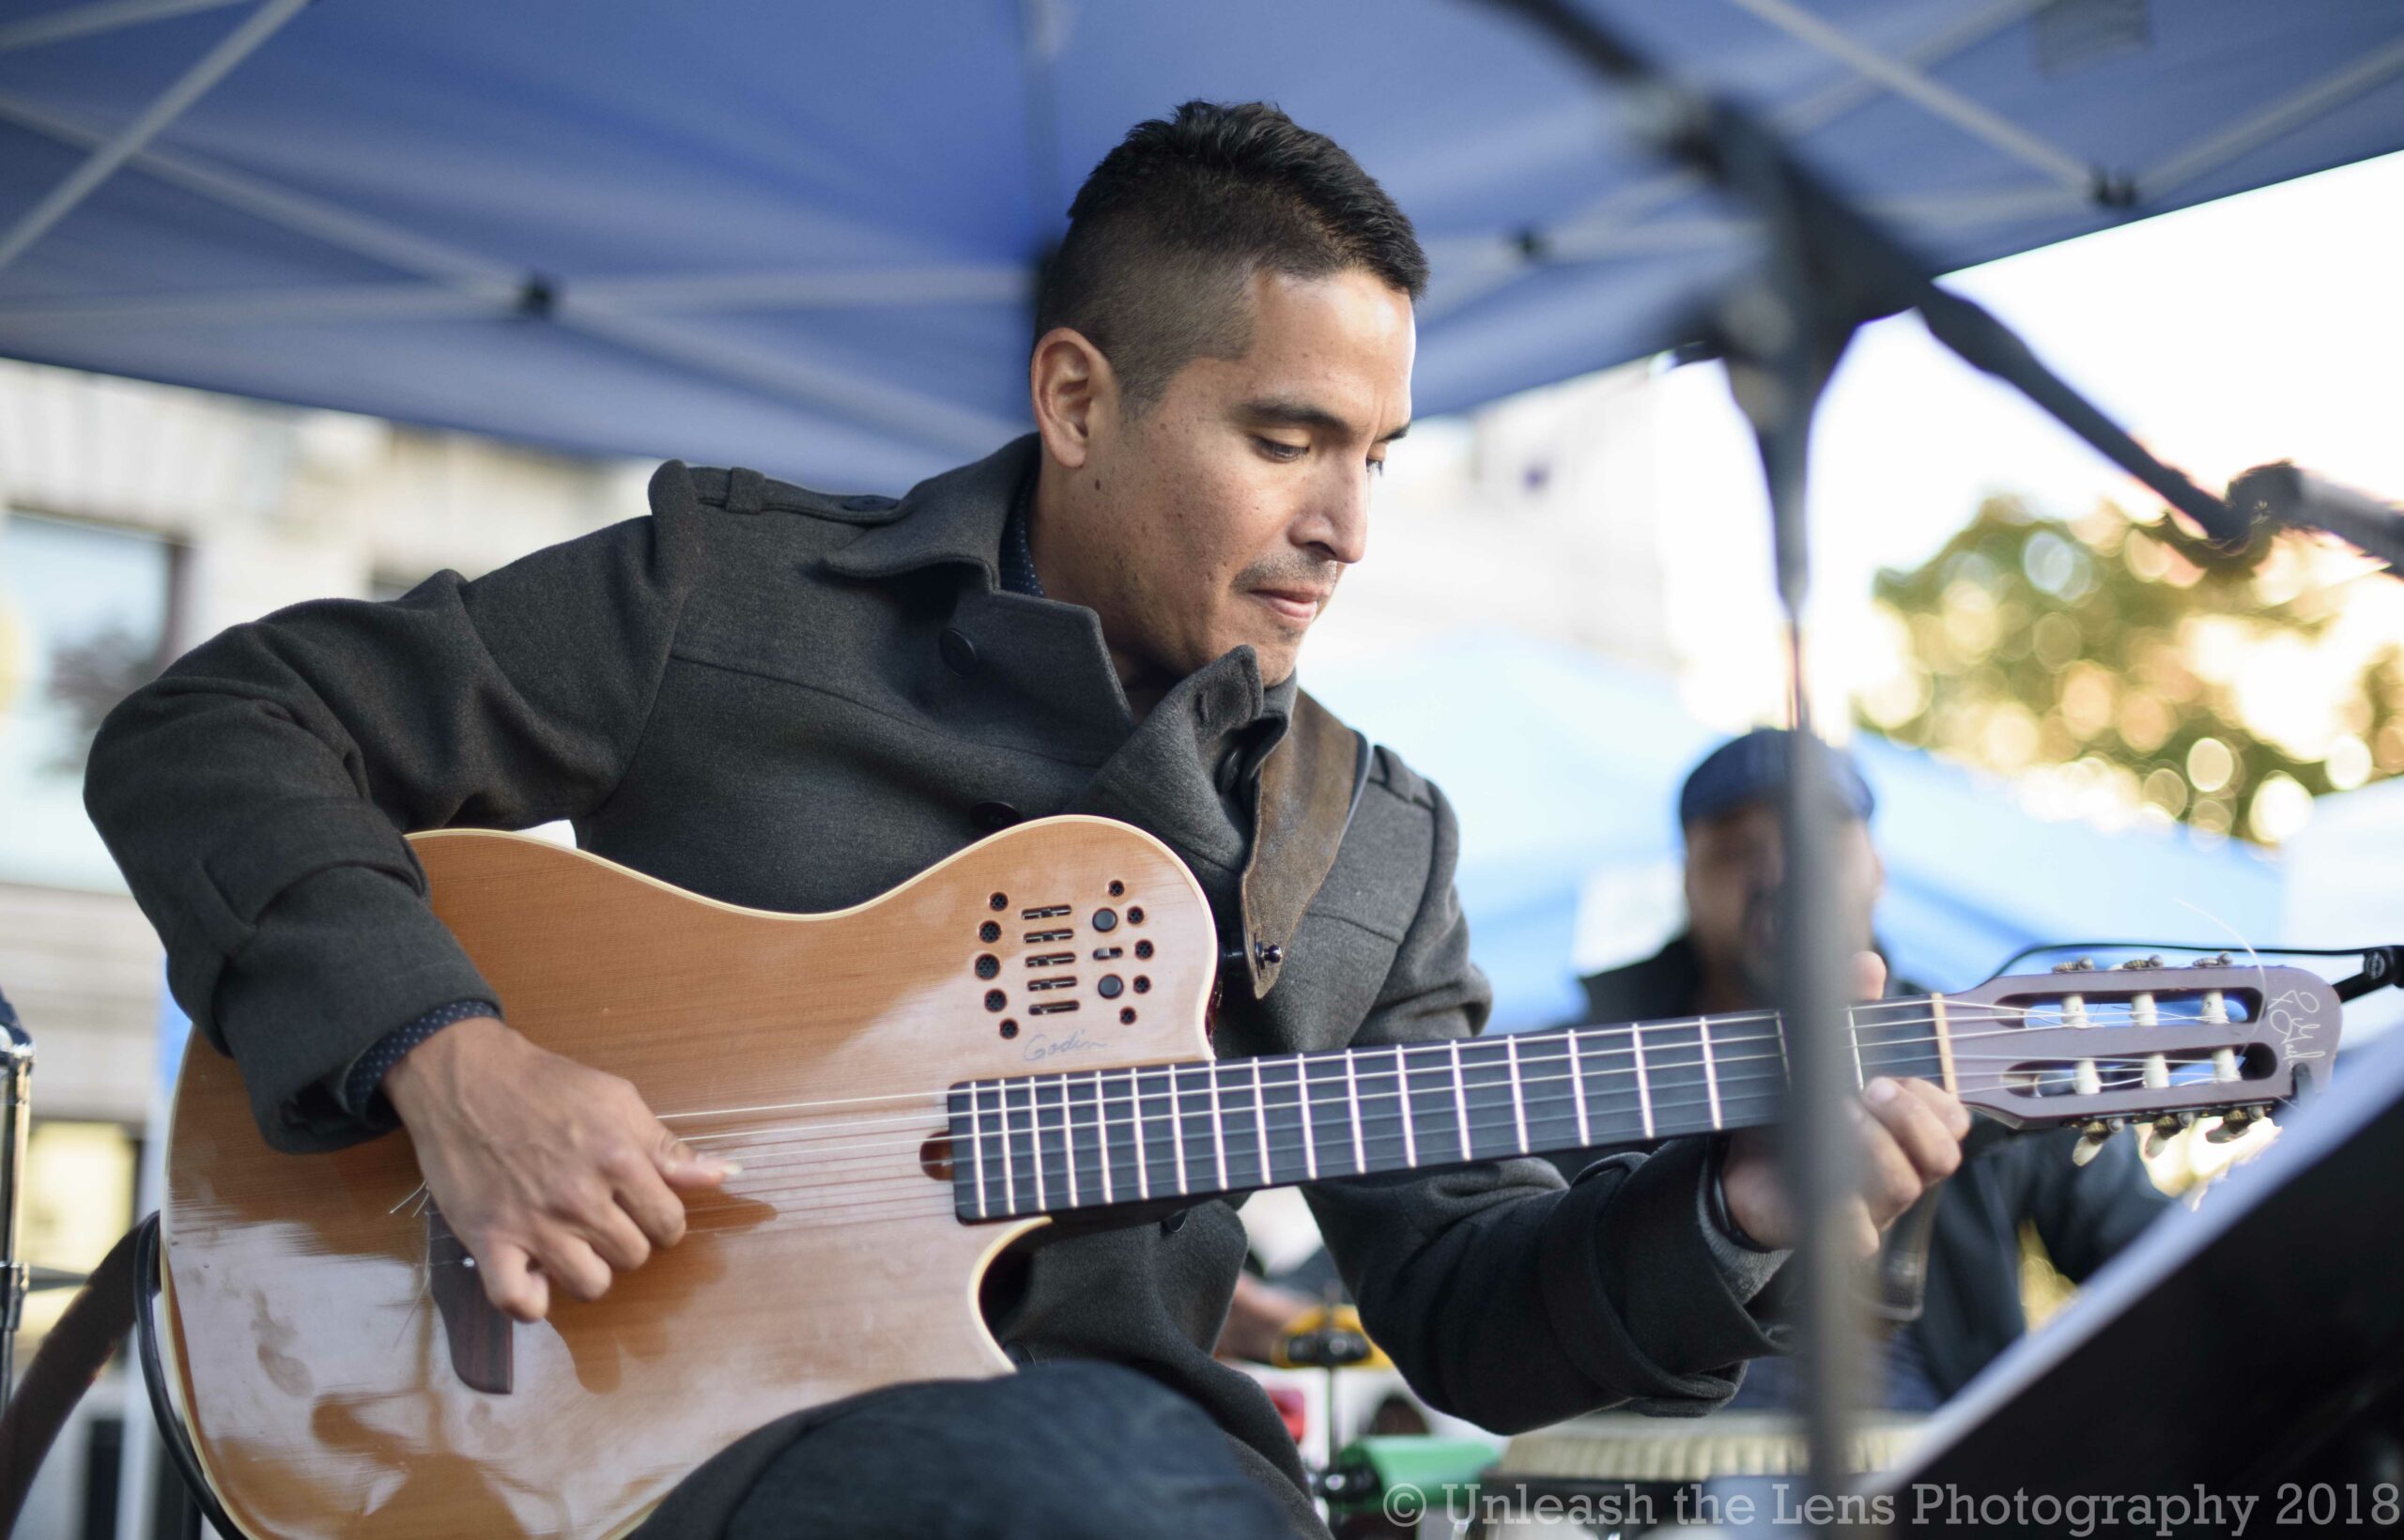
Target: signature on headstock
[(2295, 1017)]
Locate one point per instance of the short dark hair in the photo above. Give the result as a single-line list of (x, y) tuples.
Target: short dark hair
[(1166, 234)]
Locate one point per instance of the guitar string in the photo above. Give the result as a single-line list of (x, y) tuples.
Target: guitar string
[(807, 1132), (1240, 1102), (811, 1131), (1486, 1119), (1440, 1049), (941, 1201), (1967, 1011), (1546, 1051), (1058, 1149)]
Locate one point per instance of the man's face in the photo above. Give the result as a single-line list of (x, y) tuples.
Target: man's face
[(1736, 864), (1232, 507)]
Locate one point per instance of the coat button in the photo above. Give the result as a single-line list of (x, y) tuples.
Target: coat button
[(1174, 1222), (1270, 953), (959, 652), (993, 815)]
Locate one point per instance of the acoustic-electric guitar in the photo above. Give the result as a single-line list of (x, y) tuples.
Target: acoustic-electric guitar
[(1016, 1034)]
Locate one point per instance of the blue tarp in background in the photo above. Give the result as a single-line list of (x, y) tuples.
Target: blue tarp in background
[(1565, 768)]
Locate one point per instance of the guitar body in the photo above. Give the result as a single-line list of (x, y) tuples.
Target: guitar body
[(328, 1342)]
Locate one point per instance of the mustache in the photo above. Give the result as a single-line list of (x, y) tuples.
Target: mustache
[(1291, 573)]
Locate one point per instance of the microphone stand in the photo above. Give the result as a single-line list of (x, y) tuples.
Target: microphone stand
[(1826, 271)]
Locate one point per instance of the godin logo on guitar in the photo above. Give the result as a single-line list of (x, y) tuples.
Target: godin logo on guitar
[(1042, 1048)]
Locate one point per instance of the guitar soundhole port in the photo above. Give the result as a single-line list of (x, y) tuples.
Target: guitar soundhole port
[(1143, 948), (1136, 916), (998, 902), (1127, 1014), (1009, 1029), (1118, 888), (988, 965), (934, 1157), (989, 933), (1142, 984), (995, 999)]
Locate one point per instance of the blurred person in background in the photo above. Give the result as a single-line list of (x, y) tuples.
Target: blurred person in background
[(1950, 1269)]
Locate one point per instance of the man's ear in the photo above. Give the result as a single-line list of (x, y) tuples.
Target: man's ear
[(1074, 392)]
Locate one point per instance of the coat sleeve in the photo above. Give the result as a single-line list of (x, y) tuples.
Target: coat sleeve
[(1503, 1297), (255, 794), (2085, 1214)]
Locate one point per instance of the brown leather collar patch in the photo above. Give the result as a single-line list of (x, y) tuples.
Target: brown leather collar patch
[(1302, 803)]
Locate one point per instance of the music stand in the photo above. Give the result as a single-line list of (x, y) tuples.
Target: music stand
[(2256, 1343)]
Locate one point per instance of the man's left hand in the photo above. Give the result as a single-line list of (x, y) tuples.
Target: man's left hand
[(1910, 1138)]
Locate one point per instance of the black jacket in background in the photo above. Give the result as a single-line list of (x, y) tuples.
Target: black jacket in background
[(1970, 1309)]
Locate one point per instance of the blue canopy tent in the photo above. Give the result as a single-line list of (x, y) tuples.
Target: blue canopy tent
[(802, 237)]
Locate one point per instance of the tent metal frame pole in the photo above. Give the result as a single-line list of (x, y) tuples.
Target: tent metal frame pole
[(2273, 119), (1988, 127), (91, 20), (419, 299), (170, 104), (1500, 263)]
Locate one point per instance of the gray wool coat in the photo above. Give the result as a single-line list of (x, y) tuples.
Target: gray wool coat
[(793, 701)]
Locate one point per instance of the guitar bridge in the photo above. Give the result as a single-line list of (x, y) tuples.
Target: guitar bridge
[(480, 1336)]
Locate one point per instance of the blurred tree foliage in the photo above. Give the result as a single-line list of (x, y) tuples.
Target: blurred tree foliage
[(2124, 663)]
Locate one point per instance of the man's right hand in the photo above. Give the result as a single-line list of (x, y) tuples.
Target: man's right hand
[(547, 1171)]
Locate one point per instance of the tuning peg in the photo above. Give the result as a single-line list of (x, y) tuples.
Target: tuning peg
[(2165, 1128), (2233, 1125), (2092, 1139)]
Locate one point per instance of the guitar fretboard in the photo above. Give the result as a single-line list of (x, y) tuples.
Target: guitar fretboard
[(1089, 1139)]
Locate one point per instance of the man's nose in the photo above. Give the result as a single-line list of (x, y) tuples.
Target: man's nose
[(1337, 520)]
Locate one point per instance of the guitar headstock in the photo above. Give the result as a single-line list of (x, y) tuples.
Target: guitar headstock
[(2141, 1042)]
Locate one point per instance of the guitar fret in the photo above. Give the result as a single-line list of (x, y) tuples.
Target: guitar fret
[(1009, 1155), (1135, 1098), (1643, 1087), (1460, 1098), (1853, 1035), (1578, 1090), (1177, 1130), (1069, 1136), (1352, 1098), (1518, 1091), (1402, 1088), (1101, 1133), (1302, 1103), (1710, 1075), (976, 1146), (1035, 1140), (1219, 1131), (1260, 1123)]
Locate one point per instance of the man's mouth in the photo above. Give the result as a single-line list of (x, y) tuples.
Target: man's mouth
[(1296, 605)]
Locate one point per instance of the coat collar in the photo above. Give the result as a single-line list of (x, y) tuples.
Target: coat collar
[(954, 517)]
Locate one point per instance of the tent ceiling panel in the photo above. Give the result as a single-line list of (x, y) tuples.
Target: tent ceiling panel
[(803, 237)]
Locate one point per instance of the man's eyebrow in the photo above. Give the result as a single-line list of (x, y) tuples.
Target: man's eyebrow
[(1284, 413)]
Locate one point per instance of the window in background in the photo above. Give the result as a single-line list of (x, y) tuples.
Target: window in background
[(85, 616)]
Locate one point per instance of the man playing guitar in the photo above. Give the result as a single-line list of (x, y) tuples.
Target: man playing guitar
[(792, 701)]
